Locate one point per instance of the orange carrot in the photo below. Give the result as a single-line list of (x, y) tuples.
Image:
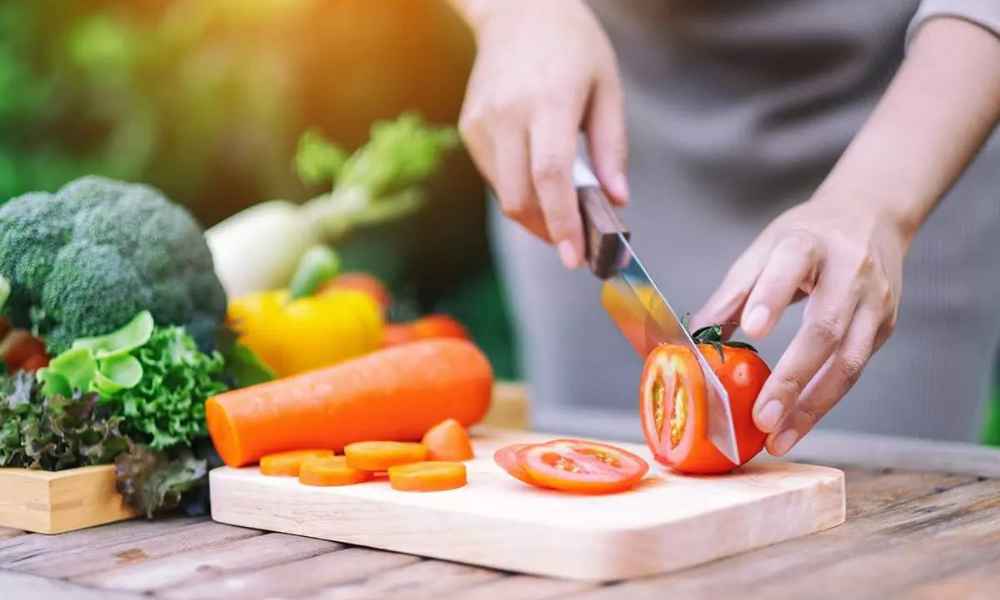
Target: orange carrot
[(288, 463), (431, 476), (331, 470), (379, 456), (448, 440), (392, 394)]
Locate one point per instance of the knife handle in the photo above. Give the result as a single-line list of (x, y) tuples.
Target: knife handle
[(601, 226)]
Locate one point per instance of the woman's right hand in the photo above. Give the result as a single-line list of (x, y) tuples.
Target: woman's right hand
[(544, 71)]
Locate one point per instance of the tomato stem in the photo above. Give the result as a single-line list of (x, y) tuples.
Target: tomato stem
[(712, 335)]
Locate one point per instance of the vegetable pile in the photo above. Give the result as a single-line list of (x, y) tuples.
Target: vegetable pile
[(121, 346), (115, 283)]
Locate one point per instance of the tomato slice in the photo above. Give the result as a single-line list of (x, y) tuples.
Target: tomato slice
[(289, 463), (330, 471), (429, 476), (448, 440), (581, 466), (506, 457), (379, 456)]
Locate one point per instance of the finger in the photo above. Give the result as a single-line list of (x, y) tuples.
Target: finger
[(792, 264), (512, 183), (827, 317), (837, 376), (607, 137), (728, 299), (552, 142), (478, 142)]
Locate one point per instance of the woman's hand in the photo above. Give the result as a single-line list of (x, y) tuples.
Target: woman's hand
[(844, 248), (544, 71), (849, 263)]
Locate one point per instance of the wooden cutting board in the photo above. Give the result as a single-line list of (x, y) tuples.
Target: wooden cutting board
[(667, 523)]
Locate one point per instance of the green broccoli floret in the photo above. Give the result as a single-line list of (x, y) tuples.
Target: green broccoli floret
[(85, 260)]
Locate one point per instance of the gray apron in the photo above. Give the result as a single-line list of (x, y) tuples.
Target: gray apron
[(736, 112)]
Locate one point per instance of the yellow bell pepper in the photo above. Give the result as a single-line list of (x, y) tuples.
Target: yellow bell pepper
[(293, 336)]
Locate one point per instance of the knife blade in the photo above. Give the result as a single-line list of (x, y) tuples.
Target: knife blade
[(635, 303)]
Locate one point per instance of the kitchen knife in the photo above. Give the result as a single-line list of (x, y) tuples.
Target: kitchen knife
[(635, 303)]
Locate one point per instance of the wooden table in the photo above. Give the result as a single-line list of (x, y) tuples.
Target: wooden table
[(923, 522)]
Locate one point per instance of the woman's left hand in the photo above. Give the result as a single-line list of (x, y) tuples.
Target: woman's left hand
[(847, 260)]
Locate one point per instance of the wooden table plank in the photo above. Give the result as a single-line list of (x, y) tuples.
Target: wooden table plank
[(978, 583), (914, 521), (37, 544), (881, 490), (526, 587), (81, 561), (427, 579), (294, 579), (209, 562), (875, 451), (23, 586)]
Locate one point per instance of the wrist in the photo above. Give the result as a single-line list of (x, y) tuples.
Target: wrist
[(869, 198)]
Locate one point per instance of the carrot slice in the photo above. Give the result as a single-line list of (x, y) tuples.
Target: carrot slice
[(331, 470), (288, 463), (430, 476), (448, 440), (379, 456)]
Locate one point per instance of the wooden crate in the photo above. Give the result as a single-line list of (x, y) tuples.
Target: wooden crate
[(55, 502)]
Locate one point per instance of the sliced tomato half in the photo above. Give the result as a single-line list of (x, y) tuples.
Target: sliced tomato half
[(581, 466), (674, 405)]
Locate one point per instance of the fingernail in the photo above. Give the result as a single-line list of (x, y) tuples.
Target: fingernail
[(567, 254), (784, 442), (769, 415), (756, 320), (619, 187)]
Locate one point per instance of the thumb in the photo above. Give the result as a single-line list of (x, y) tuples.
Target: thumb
[(607, 138)]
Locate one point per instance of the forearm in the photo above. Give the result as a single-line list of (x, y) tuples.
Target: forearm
[(940, 108)]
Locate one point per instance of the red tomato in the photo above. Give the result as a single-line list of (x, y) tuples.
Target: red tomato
[(361, 282), (432, 326), (674, 405), (506, 457), (580, 466), (22, 351)]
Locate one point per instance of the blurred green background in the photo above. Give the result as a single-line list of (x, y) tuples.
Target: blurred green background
[(206, 99)]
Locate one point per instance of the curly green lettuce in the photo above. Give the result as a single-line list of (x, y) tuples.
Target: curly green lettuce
[(167, 407)]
